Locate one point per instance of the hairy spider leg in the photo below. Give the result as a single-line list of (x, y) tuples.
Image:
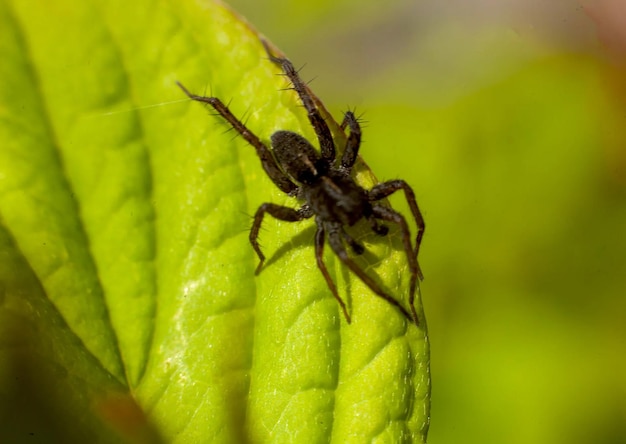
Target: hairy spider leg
[(354, 140), (319, 256), (278, 212), (327, 146), (334, 239), (268, 162), (393, 216), (385, 189)]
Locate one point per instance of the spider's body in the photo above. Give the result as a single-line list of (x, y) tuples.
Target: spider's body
[(326, 187), (331, 194)]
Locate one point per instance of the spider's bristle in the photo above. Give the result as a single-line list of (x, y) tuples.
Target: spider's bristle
[(300, 69)]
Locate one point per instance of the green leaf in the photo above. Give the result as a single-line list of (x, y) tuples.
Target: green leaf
[(127, 283)]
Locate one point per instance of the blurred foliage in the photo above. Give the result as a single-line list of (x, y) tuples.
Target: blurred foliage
[(514, 140)]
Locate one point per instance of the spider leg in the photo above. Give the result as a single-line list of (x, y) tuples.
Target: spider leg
[(279, 212), (334, 239), (319, 256), (384, 189), (354, 140), (268, 162), (392, 216), (322, 131)]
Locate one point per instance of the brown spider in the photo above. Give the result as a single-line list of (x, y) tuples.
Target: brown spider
[(327, 189)]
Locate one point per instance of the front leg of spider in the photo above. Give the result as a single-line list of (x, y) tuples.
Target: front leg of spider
[(322, 131)]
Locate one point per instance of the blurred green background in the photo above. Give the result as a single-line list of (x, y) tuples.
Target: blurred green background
[(507, 118)]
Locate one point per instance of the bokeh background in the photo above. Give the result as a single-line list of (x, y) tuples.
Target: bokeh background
[(509, 120)]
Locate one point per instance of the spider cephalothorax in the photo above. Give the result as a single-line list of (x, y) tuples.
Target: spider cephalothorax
[(327, 189)]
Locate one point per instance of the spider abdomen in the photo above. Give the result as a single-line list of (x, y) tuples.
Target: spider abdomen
[(297, 157)]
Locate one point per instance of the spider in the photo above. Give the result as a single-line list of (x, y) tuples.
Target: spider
[(324, 183)]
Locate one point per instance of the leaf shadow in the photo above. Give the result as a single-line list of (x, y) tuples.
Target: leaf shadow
[(305, 238)]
